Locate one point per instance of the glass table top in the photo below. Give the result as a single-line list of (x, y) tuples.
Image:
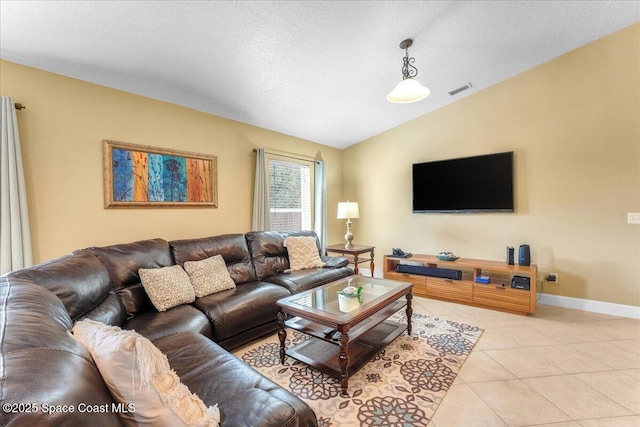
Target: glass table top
[(328, 299)]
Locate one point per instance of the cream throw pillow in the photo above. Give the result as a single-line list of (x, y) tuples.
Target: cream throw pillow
[(303, 253), (139, 376), (167, 286), (209, 276)]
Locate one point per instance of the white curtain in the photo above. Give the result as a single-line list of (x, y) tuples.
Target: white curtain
[(15, 237), (260, 219), (320, 214)]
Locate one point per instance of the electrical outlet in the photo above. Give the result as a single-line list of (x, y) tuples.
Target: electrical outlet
[(552, 278), (633, 218)]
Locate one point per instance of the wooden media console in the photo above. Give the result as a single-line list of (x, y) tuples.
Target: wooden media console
[(497, 295)]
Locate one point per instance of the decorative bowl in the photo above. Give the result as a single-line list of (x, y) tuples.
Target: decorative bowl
[(447, 256)]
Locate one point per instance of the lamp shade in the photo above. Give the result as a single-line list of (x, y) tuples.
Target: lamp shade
[(348, 210), (408, 90)]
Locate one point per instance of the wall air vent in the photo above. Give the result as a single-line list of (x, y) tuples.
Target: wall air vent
[(460, 89)]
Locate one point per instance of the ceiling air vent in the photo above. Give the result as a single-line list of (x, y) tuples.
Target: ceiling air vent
[(460, 89)]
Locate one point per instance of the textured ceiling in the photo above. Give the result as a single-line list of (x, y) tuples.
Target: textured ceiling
[(318, 70)]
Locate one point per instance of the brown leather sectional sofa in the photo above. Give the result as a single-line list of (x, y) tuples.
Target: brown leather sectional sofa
[(42, 367)]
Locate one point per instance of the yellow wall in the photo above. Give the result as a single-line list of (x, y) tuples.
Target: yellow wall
[(574, 125), (573, 122), (62, 131)]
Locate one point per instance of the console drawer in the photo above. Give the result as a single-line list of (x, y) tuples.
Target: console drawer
[(419, 282), (457, 290), (501, 297)]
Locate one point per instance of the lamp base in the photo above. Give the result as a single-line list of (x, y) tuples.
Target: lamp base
[(349, 236)]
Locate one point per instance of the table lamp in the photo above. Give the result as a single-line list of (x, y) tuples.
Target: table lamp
[(348, 210)]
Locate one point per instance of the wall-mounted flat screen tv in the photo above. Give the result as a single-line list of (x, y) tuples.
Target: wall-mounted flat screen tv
[(469, 184)]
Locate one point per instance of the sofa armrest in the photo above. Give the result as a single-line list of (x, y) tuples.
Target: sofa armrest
[(335, 261)]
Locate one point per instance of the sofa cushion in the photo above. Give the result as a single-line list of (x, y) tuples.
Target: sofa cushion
[(232, 247), (167, 287), (302, 253), (249, 335), (138, 374), (33, 317), (110, 311), (245, 307), (245, 397), (268, 252), (123, 262), (155, 325), (81, 282), (303, 280), (209, 276)]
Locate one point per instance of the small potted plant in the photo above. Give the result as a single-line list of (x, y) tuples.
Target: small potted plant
[(350, 298)]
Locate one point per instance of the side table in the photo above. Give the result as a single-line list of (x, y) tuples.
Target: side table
[(352, 254)]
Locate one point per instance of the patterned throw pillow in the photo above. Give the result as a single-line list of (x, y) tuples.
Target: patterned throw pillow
[(138, 375), (167, 287), (303, 253), (209, 276)]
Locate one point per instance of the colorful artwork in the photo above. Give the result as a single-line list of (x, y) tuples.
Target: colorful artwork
[(139, 176)]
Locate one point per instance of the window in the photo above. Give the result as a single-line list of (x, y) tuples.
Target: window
[(291, 193)]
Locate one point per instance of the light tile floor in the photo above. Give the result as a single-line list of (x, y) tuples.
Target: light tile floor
[(557, 368)]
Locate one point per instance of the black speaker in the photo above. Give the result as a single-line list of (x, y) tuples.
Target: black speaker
[(510, 254), (524, 255), (443, 273)]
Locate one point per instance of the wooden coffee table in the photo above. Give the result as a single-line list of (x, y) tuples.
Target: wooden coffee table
[(344, 337)]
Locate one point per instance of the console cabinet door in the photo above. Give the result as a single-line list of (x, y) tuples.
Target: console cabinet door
[(454, 290), (501, 297)]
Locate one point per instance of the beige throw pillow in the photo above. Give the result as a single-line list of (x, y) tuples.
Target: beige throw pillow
[(138, 375), (209, 276), (167, 286), (303, 253)]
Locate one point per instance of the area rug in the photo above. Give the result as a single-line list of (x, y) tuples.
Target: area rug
[(401, 386)]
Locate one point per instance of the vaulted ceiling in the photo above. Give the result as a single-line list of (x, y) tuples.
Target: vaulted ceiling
[(317, 70)]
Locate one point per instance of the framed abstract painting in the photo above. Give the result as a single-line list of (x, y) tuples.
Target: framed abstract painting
[(138, 176)]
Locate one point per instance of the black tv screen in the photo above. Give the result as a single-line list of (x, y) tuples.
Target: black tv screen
[(469, 184)]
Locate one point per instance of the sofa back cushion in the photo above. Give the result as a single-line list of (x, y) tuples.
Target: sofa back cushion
[(42, 362), (268, 251), (81, 282), (232, 247), (123, 262)]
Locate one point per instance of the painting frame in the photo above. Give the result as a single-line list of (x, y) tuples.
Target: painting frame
[(141, 176)]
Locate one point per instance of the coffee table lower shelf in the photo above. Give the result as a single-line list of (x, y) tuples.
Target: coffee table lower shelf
[(324, 355)]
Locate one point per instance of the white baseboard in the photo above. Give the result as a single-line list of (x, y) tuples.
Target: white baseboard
[(602, 307)]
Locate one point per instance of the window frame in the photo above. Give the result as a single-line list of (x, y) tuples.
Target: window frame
[(310, 163)]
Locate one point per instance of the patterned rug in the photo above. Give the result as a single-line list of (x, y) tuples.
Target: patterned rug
[(401, 386)]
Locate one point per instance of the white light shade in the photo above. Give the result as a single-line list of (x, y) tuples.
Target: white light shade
[(348, 210), (408, 90)]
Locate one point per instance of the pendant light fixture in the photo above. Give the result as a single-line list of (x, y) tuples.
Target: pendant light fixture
[(409, 89)]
